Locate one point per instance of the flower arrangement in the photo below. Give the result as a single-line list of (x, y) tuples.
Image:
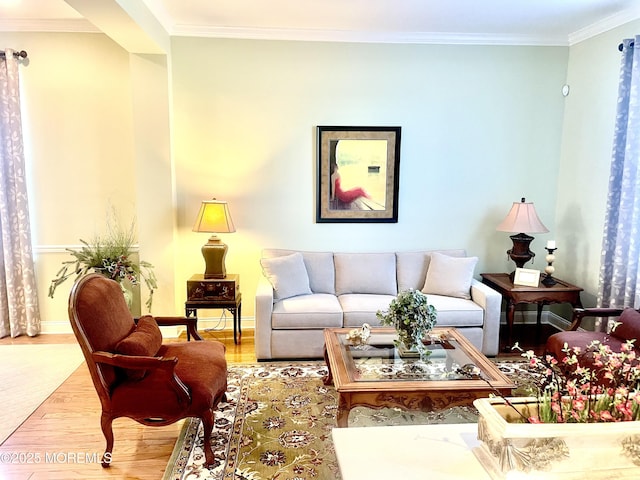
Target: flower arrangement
[(412, 317), (574, 390), (111, 256)]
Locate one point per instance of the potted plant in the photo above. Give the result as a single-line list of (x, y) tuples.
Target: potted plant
[(583, 417), (413, 318), (111, 255)]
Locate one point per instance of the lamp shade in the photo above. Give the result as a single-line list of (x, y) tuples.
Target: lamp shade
[(214, 217), (522, 218)]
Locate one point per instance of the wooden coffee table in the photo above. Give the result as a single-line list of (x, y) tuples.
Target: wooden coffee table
[(376, 376)]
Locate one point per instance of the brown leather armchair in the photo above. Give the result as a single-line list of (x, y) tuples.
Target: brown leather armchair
[(628, 329), (134, 373)]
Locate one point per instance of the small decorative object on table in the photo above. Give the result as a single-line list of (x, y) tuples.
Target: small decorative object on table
[(412, 317), (583, 422), (359, 336), (548, 280)]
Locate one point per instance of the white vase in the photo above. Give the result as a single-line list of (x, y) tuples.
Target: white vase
[(554, 450)]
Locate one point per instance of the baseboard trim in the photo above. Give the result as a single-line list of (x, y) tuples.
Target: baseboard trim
[(547, 317)]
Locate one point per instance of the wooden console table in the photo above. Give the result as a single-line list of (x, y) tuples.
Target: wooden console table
[(561, 292)]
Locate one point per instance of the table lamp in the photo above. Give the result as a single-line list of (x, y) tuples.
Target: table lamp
[(214, 217), (521, 218)]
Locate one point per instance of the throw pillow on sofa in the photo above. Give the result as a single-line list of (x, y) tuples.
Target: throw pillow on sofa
[(287, 275), (450, 276), (372, 273)]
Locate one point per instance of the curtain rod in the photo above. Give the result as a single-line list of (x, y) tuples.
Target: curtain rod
[(621, 46), (21, 54)]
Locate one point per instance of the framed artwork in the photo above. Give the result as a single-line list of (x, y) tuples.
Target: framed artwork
[(526, 277), (358, 174)]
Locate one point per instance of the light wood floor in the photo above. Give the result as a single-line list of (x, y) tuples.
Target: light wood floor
[(62, 439)]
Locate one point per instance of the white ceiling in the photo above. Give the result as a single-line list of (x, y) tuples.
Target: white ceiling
[(536, 22)]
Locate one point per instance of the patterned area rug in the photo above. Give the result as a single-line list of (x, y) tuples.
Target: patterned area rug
[(277, 422)]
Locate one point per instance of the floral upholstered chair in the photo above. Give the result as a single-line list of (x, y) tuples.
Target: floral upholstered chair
[(134, 373)]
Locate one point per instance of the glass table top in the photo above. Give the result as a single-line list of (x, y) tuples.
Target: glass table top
[(379, 360)]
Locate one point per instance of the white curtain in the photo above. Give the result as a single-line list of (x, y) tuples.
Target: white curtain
[(619, 282), (18, 294)]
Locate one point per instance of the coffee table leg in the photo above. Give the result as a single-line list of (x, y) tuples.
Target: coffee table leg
[(328, 378), (342, 416)]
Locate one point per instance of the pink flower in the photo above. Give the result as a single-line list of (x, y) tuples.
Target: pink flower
[(570, 389), (606, 416), (622, 390)]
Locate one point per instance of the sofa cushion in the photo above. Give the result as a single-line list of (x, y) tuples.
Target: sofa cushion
[(319, 267), (322, 276), (411, 270), (287, 275), (456, 312), (366, 273), (629, 327), (318, 310), (412, 267), (362, 308), (144, 341), (450, 276)]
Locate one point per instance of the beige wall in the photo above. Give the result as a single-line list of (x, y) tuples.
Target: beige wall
[(583, 179), (235, 120), (77, 124), (481, 127)]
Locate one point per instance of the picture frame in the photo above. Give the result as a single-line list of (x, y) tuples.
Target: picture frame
[(358, 174), (527, 277)]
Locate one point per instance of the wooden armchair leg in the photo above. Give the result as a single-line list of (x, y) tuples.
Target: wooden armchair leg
[(207, 426), (107, 430)]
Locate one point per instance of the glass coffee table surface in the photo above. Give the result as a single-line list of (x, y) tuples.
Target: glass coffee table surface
[(377, 375), (379, 360)]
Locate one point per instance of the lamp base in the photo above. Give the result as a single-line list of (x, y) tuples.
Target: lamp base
[(214, 252), (520, 252), (548, 281)]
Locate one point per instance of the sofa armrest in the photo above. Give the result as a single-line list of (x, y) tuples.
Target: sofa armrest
[(263, 311), (491, 302)]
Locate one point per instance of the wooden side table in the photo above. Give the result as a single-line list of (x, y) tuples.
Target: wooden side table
[(221, 293), (561, 292)]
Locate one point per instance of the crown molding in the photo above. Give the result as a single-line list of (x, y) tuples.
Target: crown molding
[(82, 25), (79, 25), (250, 33), (604, 25)]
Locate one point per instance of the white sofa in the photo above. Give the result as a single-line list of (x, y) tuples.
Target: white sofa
[(301, 293)]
